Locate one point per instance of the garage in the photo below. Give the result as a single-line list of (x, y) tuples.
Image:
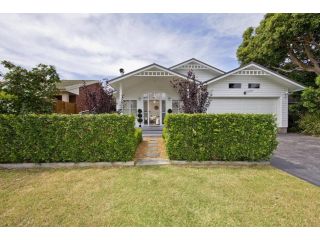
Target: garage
[(244, 105)]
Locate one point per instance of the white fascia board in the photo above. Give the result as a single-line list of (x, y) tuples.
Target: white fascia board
[(144, 69), (262, 68), (199, 62)]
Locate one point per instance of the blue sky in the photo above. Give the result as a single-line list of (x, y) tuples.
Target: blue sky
[(95, 46)]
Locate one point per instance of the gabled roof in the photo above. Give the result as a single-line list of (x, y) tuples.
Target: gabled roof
[(145, 68), (200, 62), (280, 76)]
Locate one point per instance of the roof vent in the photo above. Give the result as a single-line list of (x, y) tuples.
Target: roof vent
[(121, 70)]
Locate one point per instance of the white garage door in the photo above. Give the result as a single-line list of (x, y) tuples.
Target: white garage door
[(243, 105)]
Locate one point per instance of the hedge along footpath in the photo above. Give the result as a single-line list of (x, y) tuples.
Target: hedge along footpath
[(67, 138), (224, 137)]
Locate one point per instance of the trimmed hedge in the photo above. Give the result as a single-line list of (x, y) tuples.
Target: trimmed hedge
[(67, 138), (138, 135), (310, 124), (226, 137)]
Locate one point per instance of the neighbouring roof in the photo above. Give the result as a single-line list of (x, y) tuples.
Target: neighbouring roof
[(68, 83)]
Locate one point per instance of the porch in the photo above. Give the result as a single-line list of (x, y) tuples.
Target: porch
[(152, 130), (151, 91)]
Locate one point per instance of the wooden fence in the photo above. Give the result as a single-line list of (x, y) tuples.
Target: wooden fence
[(65, 107)]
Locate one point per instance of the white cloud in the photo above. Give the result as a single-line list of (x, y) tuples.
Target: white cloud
[(97, 45), (232, 24)]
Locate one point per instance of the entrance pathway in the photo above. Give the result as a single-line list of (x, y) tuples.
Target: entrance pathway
[(151, 151)]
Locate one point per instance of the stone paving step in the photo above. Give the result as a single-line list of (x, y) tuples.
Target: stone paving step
[(151, 151), (151, 162)]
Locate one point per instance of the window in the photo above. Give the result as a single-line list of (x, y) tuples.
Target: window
[(234, 85), (130, 107), (177, 106), (254, 85)]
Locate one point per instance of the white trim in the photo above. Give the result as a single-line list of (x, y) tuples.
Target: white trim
[(207, 66), (134, 73), (153, 73), (251, 72), (255, 65)]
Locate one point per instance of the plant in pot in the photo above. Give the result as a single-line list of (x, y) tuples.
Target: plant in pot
[(139, 117)]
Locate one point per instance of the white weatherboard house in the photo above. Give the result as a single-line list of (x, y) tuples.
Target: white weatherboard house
[(247, 89)]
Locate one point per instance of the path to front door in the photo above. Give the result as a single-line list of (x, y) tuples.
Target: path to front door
[(151, 151)]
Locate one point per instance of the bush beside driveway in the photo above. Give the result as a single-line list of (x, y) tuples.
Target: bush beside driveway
[(224, 137)]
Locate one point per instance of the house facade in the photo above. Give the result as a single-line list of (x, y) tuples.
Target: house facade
[(248, 89), (71, 91)]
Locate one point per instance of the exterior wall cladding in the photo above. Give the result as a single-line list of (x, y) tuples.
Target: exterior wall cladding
[(81, 98)]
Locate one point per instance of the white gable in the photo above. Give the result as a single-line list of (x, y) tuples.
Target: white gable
[(202, 71), (153, 70), (255, 71)]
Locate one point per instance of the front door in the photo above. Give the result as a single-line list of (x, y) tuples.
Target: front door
[(154, 110), (154, 113)]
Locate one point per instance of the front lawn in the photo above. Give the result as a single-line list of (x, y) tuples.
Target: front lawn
[(157, 196)]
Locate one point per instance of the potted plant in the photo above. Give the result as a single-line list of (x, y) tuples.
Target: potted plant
[(139, 117)]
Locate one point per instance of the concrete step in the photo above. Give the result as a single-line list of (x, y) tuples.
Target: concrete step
[(151, 162)]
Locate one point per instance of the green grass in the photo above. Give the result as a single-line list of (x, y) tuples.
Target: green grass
[(157, 196)]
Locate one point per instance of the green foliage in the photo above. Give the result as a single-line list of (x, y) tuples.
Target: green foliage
[(7, 102), (310, 124), (67, 138), (138, 135), (289, 42), (295, 112), (226, 137), (311, 97), (33, 90)]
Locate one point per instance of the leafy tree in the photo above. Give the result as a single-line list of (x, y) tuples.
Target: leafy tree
[(311, 98), (29, 91), (193, 94), (7, 103), (98, 98), (284, 42)]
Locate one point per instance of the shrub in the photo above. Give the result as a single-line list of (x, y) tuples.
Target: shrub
[(227, 137), (67, 138), (7, 103), (310, 124), (311, 97), (140, 120), (138, 135)]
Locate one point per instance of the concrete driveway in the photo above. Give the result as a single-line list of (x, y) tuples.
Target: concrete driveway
[(298, 155)]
